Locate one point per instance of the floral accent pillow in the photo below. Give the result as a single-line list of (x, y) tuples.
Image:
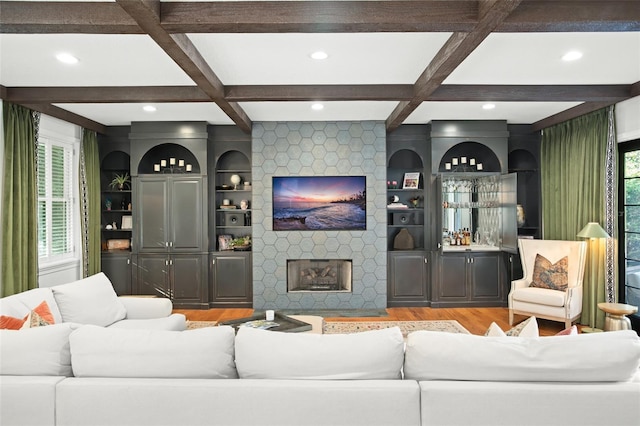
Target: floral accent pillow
[(551, 276), (40, 316)]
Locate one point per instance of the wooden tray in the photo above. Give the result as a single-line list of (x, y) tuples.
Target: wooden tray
[(287, 324)]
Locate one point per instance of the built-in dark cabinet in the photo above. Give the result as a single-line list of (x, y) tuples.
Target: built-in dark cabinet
[(179, 277), (469, 278), (115, 209), (408, 212), (117, 267), (524, 161), (230, 217), (230, 278), (407, 281), (171, 214)]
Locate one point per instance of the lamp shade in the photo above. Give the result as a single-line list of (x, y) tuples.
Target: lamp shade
[(593, 230)]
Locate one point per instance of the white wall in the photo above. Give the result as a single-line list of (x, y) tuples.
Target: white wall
[(628, 119)]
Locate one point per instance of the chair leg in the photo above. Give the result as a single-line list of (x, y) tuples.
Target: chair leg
[(567, 324), (510, 317)]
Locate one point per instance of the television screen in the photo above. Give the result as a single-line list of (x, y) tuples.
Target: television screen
[(319, 203)]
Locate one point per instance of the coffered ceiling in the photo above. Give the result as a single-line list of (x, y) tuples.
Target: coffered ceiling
[(235, 62)]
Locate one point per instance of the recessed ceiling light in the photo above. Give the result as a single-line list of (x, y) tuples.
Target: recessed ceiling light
[(572, 55), (488, 106), (149, 108), (317, 107), (319, 55), (67, 58)]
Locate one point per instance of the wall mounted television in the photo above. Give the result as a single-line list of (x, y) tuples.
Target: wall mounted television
[(319, 203)]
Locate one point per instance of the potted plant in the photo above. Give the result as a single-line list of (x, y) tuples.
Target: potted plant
[(241, 243), (119, 181)]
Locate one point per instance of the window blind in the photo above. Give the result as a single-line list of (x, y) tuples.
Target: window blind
[(55, 201)]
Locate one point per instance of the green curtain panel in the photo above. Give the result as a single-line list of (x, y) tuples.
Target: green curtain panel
[(572, 167), (19, 199), (90, 203)]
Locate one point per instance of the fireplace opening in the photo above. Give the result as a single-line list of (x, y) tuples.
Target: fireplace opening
[(319, 275)]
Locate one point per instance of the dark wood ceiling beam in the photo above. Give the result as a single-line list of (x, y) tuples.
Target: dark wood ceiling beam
[(573, 16), (569, 114), (178, 46), (291, 93), (47, 17), (530, 93), (105, 95), (276, 93), (67, 116), (319, 16), (455, 50)]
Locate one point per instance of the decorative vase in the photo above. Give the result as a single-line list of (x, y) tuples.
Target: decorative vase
[(520, 215), (235, 180)]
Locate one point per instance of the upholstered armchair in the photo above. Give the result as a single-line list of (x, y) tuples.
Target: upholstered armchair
[(541, 292)]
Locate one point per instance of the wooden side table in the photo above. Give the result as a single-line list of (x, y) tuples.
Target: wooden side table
[(615, 318)]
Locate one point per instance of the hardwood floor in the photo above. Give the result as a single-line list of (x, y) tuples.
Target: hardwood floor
[(476, 320)]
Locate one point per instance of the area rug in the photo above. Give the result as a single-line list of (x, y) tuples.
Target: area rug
[(449, 326), (192, 325)]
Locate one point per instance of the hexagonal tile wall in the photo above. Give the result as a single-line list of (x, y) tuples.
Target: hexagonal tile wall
[(311, 149)]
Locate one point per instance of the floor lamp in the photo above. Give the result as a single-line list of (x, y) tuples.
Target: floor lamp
[(593, 231)]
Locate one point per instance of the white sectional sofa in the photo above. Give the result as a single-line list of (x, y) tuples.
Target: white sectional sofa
[(92, 300), (91, 375)]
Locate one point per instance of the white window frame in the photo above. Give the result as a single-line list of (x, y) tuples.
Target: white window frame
[(53, 132)]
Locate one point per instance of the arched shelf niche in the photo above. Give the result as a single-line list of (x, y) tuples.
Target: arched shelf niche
[(521, 160), (233, 160), (405, 159), (481, 153), (152, 160)]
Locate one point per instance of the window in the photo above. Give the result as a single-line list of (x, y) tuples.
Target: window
[(55, 201), (629, 225)]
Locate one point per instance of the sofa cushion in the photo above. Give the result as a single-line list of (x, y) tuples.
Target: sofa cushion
[(19, 305), (552, 276), (263, 354), (599, 357), (540, 296), (41, 351), (91, 300), (205, 353)]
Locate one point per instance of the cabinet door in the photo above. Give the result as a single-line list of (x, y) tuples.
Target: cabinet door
[(188, 273), (453, 277), (117, 267), (407, 276), (186, 215), (152, 273), (231, 279), (485, 276), (152, 225)]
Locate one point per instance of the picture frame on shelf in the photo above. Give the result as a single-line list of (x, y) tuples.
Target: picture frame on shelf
[(224, 242), (127, 222), (411, 180)]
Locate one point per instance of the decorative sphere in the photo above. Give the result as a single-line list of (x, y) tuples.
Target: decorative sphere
[(235, 179)]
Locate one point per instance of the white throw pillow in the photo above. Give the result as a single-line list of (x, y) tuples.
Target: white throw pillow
[(89, 301), (205, 353), (263, 354), (40, 351), (527, 328), (599, 357)]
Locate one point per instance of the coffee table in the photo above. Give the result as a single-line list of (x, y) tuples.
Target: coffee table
[(286, 323)]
